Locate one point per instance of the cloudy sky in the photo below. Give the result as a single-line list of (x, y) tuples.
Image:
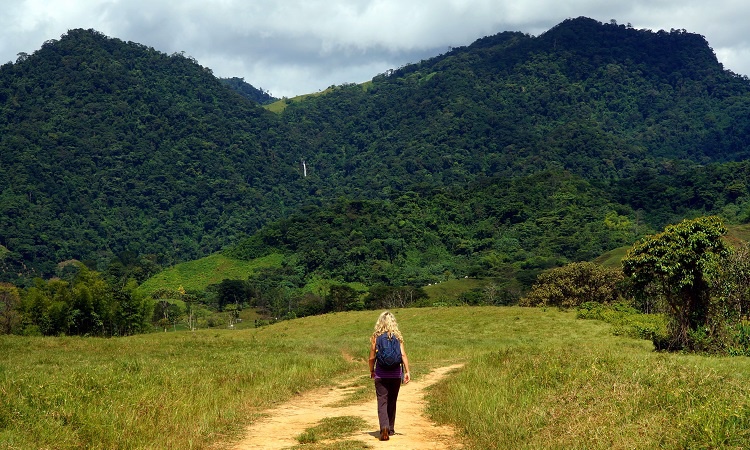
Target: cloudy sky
[(292, 47)]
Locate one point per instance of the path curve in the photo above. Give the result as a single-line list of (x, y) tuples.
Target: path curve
[(414, 431)]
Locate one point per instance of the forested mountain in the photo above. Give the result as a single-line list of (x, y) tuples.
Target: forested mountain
[(110, 147), (603, 101)]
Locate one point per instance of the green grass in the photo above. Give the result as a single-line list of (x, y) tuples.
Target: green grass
[(337, 445), (196, 275), (451, 289), (532, 379), (280, 105), (332, 428), (738, 233), (596, 397), (361, 390), (612, 258)]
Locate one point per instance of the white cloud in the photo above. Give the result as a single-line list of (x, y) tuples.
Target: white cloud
[(292, 47)]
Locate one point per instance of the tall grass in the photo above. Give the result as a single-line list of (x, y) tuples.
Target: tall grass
[(163, 390), (533, 379), (569, 397)]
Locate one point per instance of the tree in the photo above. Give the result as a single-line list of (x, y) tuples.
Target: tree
[(232, 292), (132, 310), (681, 264), (393, 296), (343, 298), (735, 278), (190, 307), (9, 303)]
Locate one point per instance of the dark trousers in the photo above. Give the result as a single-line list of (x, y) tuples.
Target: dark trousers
[(386, 390)]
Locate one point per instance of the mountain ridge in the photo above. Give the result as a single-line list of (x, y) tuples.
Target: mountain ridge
[(111, 147)]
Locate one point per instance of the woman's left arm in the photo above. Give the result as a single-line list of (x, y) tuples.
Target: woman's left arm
[(372, 358), (405, 361)]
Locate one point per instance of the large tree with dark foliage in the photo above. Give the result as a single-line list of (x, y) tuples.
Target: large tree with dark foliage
[(681, 264)]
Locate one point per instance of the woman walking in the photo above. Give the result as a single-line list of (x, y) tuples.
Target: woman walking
[(388, 366)]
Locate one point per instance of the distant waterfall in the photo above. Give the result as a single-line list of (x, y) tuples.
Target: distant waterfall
[(304, 169)]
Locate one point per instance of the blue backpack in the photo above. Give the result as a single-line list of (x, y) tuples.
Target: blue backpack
[(387, 351)]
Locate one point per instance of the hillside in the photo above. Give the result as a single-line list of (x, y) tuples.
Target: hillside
[(110, 148), (602, 101), (508, 228)]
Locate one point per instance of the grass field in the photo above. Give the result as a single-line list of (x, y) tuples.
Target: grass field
[(451, 289), (533, 378), (280, 105), (196, 275)]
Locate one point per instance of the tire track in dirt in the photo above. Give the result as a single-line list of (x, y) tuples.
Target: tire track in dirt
[(414, 431)]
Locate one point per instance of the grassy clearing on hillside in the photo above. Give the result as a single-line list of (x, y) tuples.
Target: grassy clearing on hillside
[(533, 379), (280, 105), (451, 289), (738, 233), (196, 275), (612, 258)]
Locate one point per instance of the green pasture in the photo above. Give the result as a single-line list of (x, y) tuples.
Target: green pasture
[(533, 378), (196, 275), (451, 289)]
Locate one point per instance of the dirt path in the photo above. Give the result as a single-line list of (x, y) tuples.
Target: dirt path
[(414, 431)]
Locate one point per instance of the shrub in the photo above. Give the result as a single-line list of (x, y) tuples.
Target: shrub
[(574, 284), (627, 321)]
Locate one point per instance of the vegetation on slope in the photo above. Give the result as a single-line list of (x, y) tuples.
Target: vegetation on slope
[(510, 227), (111, 148), (249, 91), (602, 101)]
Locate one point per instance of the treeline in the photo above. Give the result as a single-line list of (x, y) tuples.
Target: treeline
[(87, 304), (280, 294)]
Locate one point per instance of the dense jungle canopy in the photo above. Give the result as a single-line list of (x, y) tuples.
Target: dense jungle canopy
[(510, 155)]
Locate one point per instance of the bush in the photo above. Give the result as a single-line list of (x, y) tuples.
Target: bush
[(740, 344), (574, 284)]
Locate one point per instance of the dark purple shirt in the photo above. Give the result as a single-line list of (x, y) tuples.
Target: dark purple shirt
[(387, 373)]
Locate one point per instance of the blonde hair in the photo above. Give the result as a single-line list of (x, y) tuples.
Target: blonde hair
[(387, 324)]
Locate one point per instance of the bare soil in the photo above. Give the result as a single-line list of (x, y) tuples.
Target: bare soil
[(414, 431)]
